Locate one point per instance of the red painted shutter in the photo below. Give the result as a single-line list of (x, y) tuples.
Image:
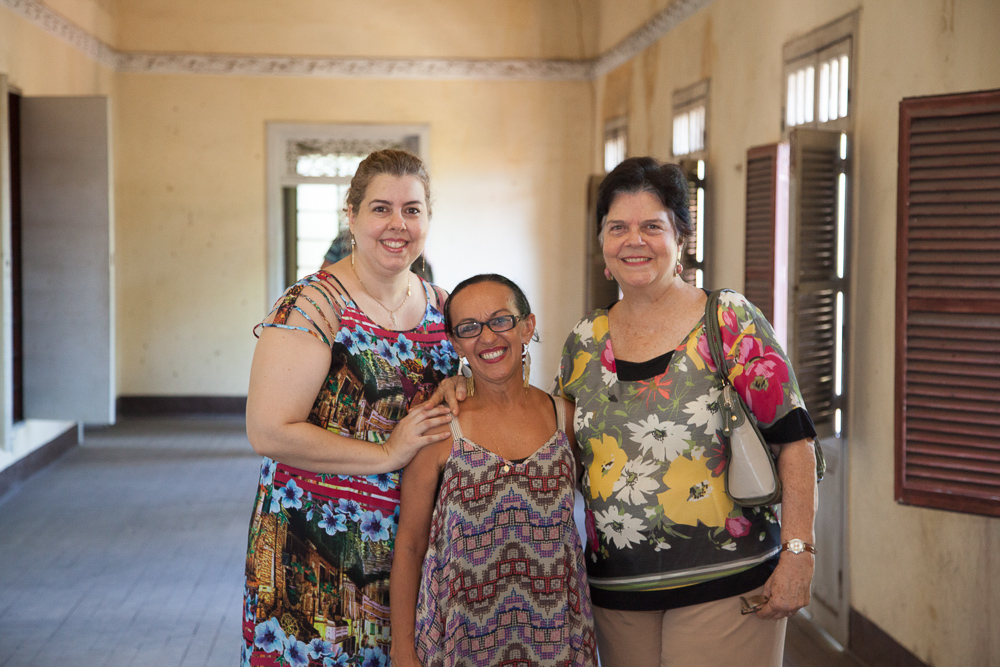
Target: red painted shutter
[(948, 303)]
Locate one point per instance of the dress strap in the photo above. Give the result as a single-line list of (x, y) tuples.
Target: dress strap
[(456, 430), (560, 413)]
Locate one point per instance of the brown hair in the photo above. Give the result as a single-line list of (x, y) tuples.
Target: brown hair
[(388, 161)]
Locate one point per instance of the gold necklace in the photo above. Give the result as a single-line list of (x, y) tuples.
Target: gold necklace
[(392, 312)]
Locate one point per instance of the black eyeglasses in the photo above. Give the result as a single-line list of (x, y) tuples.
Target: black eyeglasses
[(496, 325)]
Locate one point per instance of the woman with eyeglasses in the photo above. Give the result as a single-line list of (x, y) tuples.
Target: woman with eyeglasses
[(488, 567)]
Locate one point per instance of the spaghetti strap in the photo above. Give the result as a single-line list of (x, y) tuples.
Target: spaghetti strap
[(456, 430)]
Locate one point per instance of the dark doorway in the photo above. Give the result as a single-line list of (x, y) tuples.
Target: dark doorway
[(14, 120)]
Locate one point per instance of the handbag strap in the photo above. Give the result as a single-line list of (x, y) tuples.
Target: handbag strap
[(714, 335)]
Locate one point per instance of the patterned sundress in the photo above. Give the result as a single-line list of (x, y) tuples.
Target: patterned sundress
[(504, 582), (320, 545)]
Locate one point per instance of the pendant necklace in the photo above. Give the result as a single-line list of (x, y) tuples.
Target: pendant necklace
[(392, 312)]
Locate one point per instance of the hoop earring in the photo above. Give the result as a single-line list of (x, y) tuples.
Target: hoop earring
[(352, 249), (470, 382), (527, 366)]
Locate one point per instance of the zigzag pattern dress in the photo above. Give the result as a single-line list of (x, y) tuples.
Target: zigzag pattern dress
[(504, 582)]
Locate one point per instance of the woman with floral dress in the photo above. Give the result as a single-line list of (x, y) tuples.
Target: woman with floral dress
[(339, 366), (669, 553)]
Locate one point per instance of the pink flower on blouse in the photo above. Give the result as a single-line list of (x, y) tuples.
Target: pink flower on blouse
[(738, 527), (608, 357), (759, 384), (591, 529)]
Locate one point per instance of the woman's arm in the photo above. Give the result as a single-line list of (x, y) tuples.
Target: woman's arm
[(417, 490), (289, 368), (788, 587)]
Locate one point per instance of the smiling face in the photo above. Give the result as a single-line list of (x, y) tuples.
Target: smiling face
[(493, 356), (640, 244), (390, 225)]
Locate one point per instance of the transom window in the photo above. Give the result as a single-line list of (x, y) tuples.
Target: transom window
[(818, 76), (615, 142), (690, 106)]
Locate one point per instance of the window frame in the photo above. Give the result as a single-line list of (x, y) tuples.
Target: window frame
[(279, 136), (684, 101), (835, 38)]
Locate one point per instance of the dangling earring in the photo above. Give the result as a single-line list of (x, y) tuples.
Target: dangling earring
[(423, 264), (352, 249), (607, 274), (470, 382), (527, 366), (680, 267)]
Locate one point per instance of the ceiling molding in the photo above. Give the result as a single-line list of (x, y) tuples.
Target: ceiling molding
[(367, 68)]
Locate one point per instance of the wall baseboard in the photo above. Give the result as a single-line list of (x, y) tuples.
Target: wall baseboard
[(22, 469), (146, 406), (874, 646)]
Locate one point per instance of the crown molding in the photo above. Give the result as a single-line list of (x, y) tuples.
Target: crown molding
[(367, 68)]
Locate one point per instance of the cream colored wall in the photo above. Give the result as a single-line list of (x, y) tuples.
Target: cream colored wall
[(508, 172), (928, 578), (37, 63), (374, 28), (617, 18)]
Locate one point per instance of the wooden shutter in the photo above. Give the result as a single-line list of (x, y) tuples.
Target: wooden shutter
[(814, 282), (600, 292), (690, 257), (761, 213), (947, 415)]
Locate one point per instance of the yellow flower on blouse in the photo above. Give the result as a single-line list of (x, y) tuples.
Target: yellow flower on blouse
[(600, 327), (579, 365), (693, 495), (609, 459)]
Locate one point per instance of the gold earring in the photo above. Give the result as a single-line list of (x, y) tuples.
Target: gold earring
[(470, 382), (352, 249)]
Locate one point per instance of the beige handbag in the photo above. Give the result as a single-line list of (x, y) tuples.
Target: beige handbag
[(751, 474)]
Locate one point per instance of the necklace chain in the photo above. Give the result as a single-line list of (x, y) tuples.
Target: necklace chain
[(392, 311)]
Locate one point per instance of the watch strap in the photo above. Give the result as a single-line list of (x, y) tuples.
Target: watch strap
[(798, 546)]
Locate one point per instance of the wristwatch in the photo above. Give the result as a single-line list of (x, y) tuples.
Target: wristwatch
[(797, 546)]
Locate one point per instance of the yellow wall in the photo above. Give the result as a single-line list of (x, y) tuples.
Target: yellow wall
[(37, 63), (374, 28), (928, 578), (508, 175)]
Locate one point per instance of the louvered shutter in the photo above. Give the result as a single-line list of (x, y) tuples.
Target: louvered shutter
[(599, 291), (814, 280), (761, 213), (948, 303), (690, 260)]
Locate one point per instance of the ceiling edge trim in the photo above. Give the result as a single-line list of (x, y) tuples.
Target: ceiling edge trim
[(538, 69)]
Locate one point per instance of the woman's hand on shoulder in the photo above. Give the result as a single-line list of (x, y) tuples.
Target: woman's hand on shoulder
[(452, 391), (422, 426)]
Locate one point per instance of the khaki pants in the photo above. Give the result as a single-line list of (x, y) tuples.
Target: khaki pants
[(713, 634)]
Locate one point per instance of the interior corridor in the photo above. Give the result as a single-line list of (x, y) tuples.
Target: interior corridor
[(129, 551)]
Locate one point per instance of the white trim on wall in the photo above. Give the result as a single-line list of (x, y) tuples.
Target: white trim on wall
[(370, 68)]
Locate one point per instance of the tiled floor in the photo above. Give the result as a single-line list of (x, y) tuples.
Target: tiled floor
[(129, 551)]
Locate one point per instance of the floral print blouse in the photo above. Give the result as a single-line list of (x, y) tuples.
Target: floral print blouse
[(658, 516)]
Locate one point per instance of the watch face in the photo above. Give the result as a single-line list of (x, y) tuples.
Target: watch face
[(796, 546)]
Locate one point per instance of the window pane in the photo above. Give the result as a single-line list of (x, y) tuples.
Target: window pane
[(800, 97), (681, 135), (809, 96), (843, 86), (824, 92), (834, 86), (790, 102)]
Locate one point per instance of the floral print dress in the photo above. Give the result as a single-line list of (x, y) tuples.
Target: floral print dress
[(658, 516), (320, 545)]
